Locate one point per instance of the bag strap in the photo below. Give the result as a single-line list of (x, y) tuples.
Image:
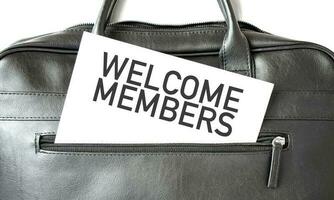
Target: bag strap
[(234, 54)]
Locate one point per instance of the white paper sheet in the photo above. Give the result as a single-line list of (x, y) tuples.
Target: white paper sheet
[(186, 102)]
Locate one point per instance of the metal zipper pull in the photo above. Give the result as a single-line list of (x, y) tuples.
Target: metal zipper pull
[(277, 144)]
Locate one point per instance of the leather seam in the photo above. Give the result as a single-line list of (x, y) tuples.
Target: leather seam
[(248, 57), (32, 117), (266, 118), (300, 118), (256, 50), (224, 53), (239, 70), (48, 93), (261, 131), (32, 94), (253, 68), (328, 92), (185, 154)]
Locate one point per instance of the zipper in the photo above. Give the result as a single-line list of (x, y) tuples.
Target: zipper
[(127, 25), (46, 142), (277, 146), (151, 26), (275, 143)]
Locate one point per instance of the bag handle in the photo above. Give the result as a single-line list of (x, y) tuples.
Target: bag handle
[(234, 54)]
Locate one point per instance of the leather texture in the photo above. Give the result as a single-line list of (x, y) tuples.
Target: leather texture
[(34, 77)]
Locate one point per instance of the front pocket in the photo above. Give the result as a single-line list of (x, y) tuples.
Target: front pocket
[(274, 142)]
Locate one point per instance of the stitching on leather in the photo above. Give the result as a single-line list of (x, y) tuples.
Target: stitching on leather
[(239, 70), (266, 118), (275, 131), (248, 56), (32, 94), (224, 53), (46, 133), (30, 117), (47, 93), (269, 49), (262, 131), (77, 30), (324, 92), (330, 118), (253, 67), (185, 154), (319, 91)]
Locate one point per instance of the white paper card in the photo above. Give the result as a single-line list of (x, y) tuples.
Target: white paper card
[(122, 93)]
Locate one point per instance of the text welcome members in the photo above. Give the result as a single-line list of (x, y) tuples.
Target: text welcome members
[(161, 102)]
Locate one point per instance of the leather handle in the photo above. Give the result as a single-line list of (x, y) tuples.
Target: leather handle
[(103, 16), (234, 54)]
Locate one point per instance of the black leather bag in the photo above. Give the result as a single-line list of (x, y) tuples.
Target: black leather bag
[(292, 160)]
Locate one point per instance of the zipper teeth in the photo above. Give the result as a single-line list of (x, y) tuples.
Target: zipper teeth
[(157, 148), (162, 145), (150, 26), (47, 143), (154, 150)]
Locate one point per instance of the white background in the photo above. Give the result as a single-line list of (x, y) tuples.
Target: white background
[(297, 19)]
